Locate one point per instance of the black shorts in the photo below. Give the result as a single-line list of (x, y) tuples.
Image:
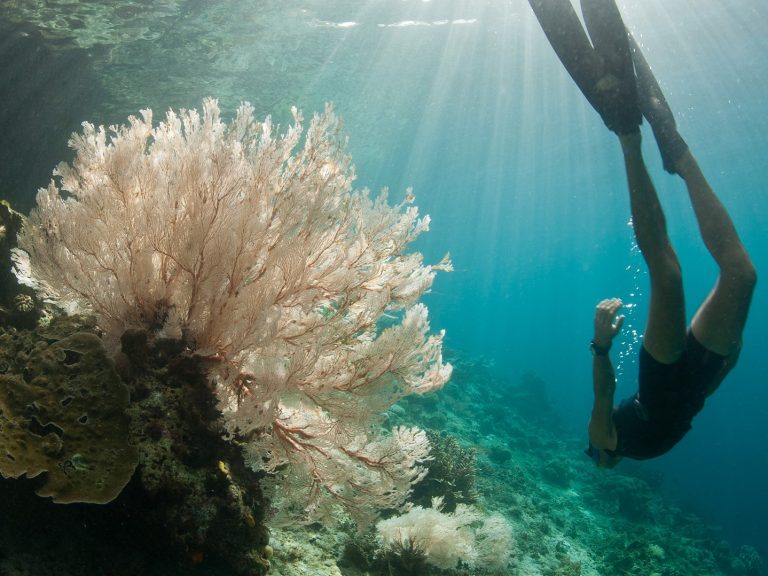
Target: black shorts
[(653, 420)]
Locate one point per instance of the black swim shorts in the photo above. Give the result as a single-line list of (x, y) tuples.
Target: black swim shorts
[(652, 421)]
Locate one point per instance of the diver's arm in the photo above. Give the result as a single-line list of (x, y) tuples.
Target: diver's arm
[(602, 432)]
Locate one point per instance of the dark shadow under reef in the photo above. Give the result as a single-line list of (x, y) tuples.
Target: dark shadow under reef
[(41, 538)]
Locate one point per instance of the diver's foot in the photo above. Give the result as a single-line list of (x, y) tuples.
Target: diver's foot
[(654, 107), (671, 144)]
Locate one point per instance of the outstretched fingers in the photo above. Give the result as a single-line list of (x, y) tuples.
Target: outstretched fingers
[(607, 321)]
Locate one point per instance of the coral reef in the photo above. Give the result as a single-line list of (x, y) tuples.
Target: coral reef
[(62, 405), (66, 421), (62, 413), (747, 562), (593, 523), (255, 252), (463, 538), (67, 425), (18, 305), (236, 317), (567, 516), (450, 474), (196, 486)]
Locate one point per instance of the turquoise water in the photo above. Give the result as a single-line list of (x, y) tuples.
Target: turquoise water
[(464, 101)]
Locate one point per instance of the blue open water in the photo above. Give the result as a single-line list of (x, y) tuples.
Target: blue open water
[(465, 101)]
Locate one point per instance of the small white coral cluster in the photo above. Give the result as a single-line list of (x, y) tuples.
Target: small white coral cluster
[(447, 540), (254, 248)]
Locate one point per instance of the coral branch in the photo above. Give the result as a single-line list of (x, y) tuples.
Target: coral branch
[(255, 250)]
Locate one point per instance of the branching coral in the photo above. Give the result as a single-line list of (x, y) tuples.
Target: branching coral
[(451, 473), (465, 537), (253, 248)]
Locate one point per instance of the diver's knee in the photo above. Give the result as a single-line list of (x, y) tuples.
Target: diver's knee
[(741, 272), (747, 275), (666, 268)]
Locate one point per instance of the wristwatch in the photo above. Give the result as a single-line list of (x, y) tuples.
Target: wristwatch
[(599, 350)]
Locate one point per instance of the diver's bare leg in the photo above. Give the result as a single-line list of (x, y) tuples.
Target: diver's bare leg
[(719, 321), (665, 332)]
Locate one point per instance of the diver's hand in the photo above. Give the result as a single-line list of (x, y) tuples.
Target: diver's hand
[(607, 323)]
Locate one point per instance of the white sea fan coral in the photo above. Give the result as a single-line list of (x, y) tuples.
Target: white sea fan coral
[(254, 248), (446, 540), (493, 542)]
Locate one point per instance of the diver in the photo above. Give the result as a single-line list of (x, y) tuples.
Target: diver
[(679, 366)]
